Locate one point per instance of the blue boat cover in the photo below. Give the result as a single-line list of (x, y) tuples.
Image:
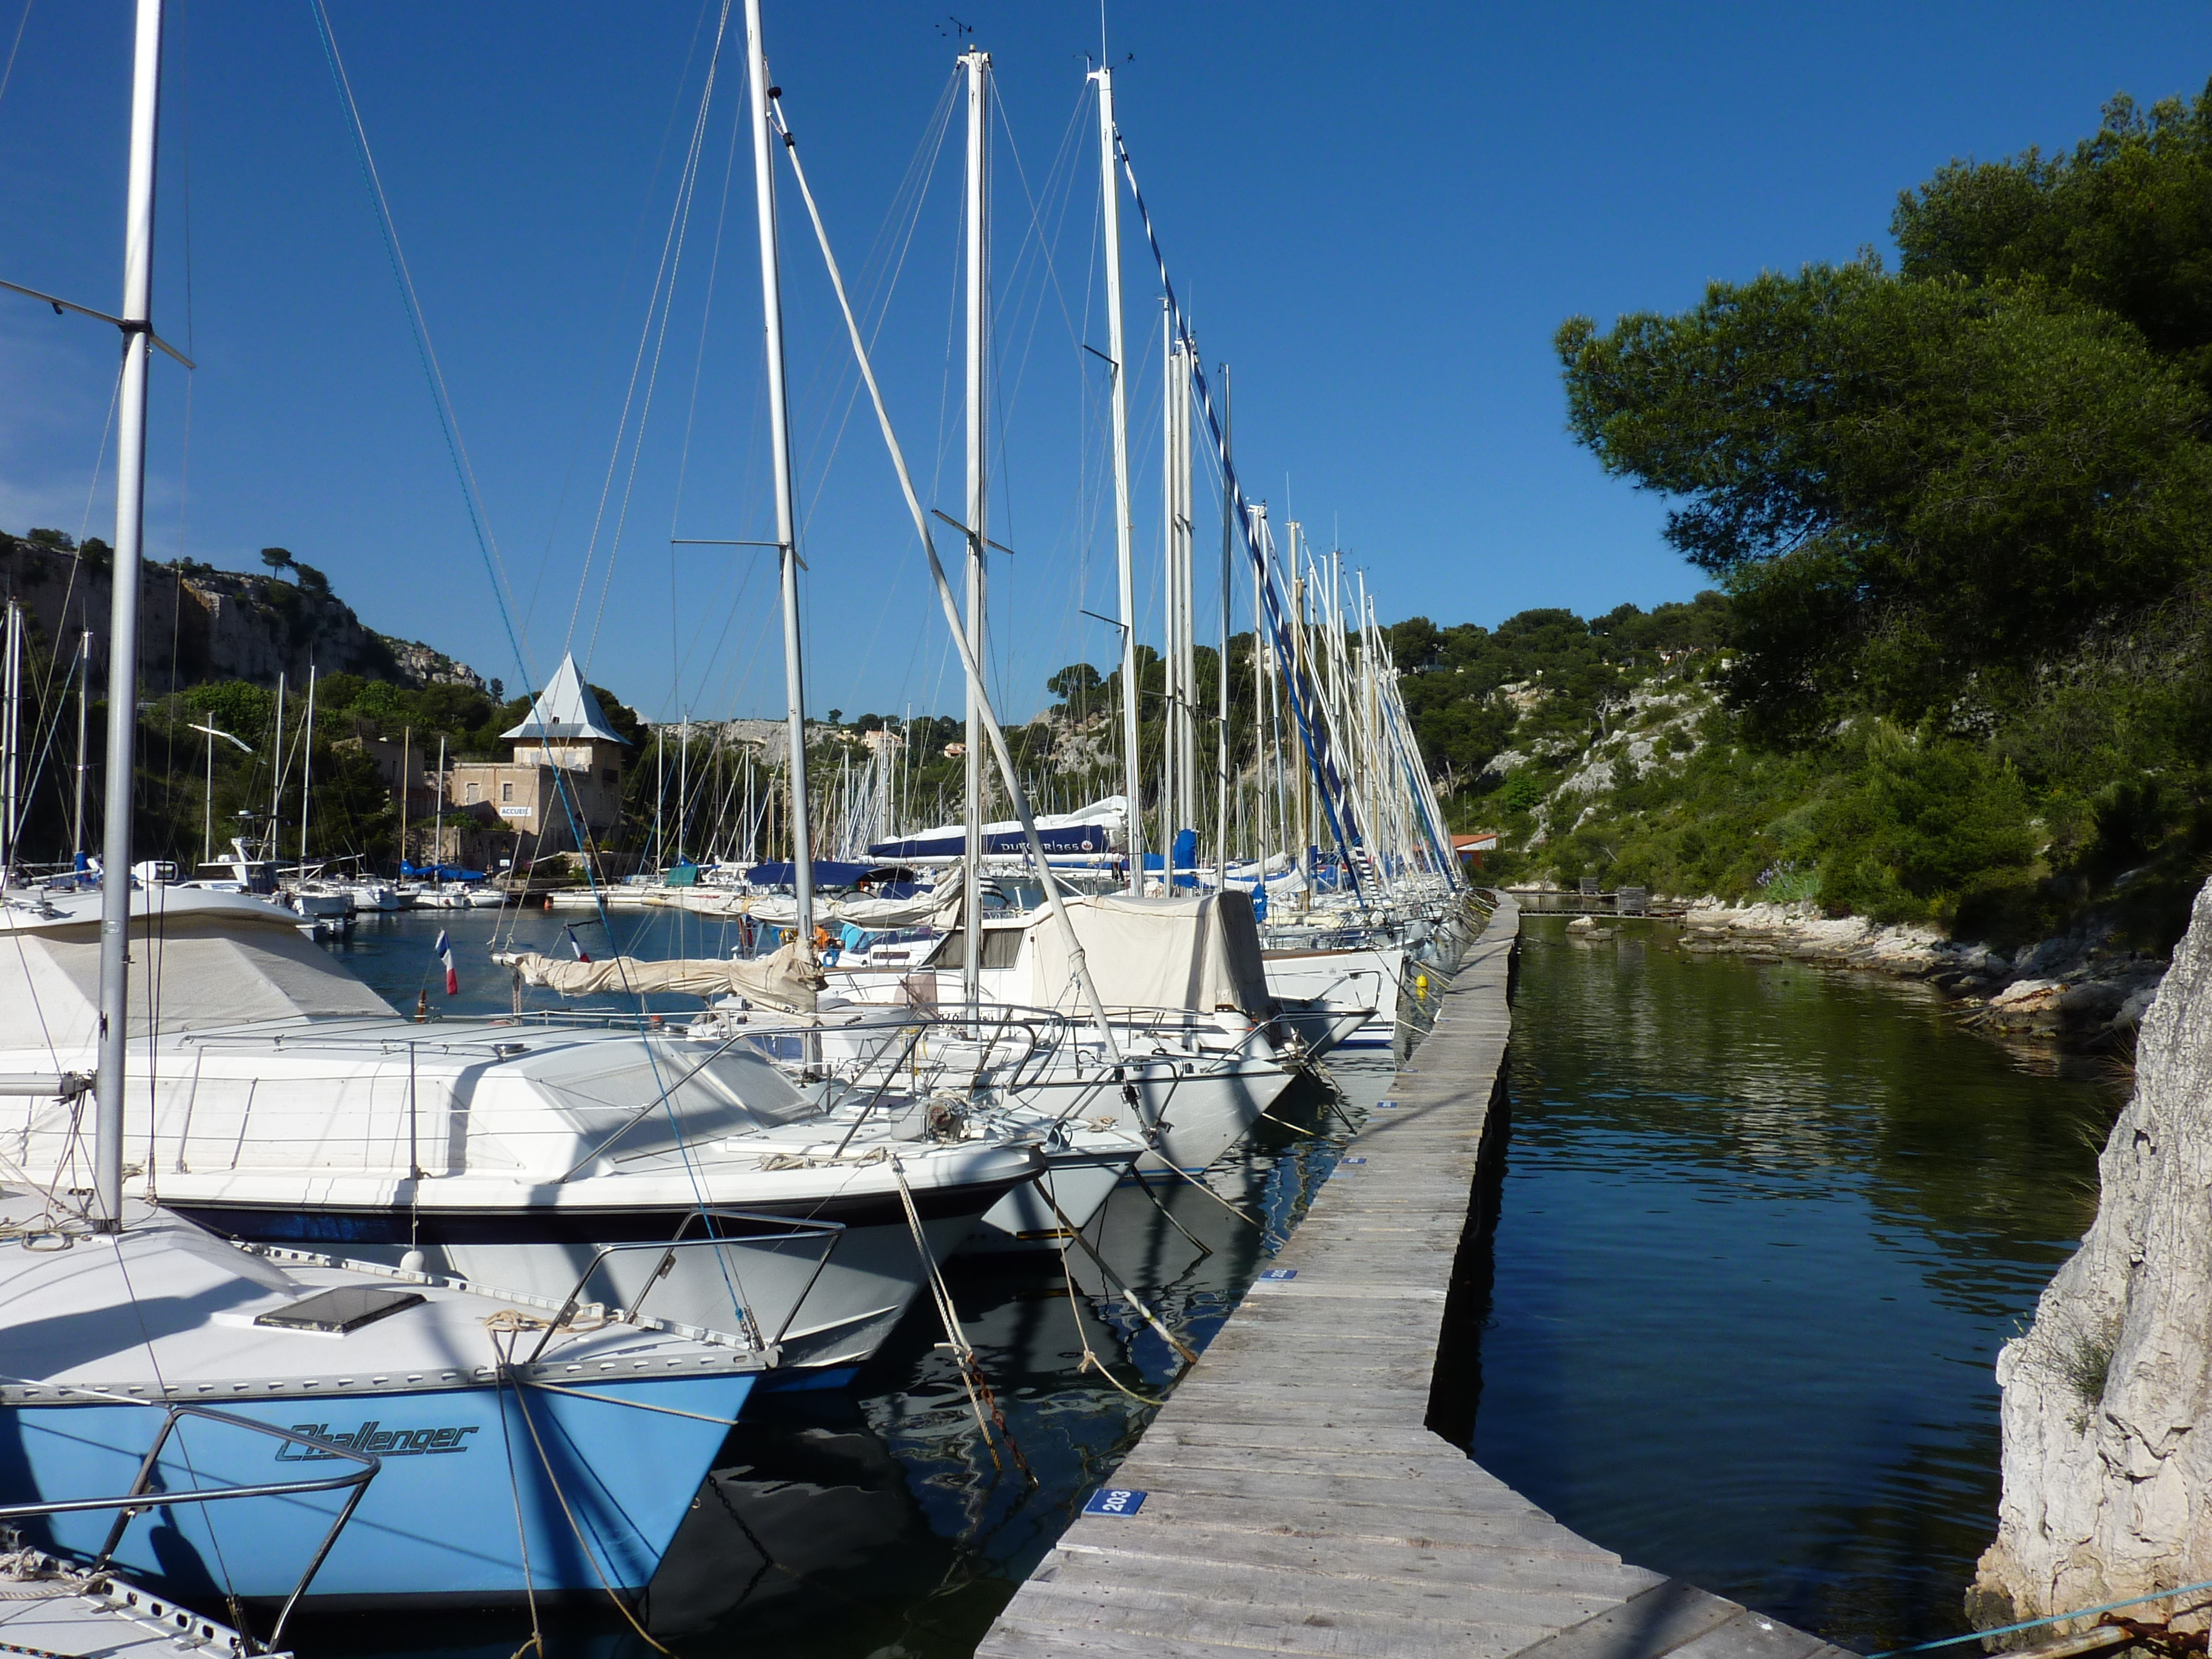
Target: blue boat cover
[(828, 872), (441, 871), (1067, 838)]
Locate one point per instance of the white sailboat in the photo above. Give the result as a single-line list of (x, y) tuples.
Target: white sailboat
[(120, 1322)]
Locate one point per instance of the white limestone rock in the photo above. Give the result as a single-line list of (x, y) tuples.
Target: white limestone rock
[(2107, 1444)]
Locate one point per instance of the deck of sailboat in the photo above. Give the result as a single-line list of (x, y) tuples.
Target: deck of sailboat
[(1295, 1498), (48, 1608)]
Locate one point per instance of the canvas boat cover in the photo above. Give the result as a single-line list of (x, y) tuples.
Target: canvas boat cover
[(199, 959), (784, 980), (1199, 952)]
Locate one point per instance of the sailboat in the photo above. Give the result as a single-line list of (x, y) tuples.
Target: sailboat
[(492, 1446), (285, 1104)]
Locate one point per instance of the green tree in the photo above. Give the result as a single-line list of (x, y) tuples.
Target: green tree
[(2123, 223), (277, 559), (1902, 482), (1076, 686)]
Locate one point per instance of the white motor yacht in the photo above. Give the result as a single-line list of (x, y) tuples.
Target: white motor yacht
[(279, 1100)]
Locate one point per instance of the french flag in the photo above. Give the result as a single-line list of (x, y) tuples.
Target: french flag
[(582, 955), (444, 951)]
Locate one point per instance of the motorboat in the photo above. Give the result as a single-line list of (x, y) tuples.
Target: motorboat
[(315, 898), (374, 896)]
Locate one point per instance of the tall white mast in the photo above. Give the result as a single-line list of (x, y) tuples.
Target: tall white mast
[(83, 704), (977, 63), (306, 766), (1185, 706), (1131, 778), (276, 766), (1170, 542), (786, 534), (11, 740), (123, 613), (1221, 751), (406, 744)]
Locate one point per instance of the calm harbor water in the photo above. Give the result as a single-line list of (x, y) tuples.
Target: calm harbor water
[(1763, 1229)]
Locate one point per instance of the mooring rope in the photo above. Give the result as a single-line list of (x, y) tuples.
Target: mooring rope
[(2037, 1624)]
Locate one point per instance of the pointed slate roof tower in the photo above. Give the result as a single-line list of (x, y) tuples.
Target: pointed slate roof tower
[(565, 709)]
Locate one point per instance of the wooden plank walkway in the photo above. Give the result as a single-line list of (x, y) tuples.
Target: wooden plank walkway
[(1296, 1500)]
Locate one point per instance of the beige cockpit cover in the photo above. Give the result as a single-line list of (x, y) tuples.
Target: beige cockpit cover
[(1200, 952), (193, 966), (782, 981)]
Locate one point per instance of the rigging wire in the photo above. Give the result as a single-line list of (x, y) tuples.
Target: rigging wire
[(661, 299), (691, 410), (606, 344), (9, 74), (441, 398)]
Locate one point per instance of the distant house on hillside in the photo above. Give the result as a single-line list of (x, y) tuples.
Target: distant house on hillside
[(564, 782), (1469, 849)]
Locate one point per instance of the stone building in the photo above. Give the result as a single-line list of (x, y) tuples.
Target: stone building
[(563, 778)]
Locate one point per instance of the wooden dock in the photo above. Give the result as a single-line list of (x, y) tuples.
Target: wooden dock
[(1295, 1499)]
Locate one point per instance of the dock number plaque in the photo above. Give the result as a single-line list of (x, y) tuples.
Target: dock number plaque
[(1114, 1500)]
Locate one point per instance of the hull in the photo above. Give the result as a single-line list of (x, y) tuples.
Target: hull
[(1344, 980), (1321, 1028), (1189, 1117), (1199, 1086), (1022, 1221), (827, 1312), (465, 1485)]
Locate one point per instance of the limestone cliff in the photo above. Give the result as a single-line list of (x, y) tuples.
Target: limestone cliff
[(198, 624), (2107, 1448)]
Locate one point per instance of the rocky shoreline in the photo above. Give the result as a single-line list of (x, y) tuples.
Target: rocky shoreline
[(2080, 989)]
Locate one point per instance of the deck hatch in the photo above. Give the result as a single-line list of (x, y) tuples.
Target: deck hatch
[(340, 1308)]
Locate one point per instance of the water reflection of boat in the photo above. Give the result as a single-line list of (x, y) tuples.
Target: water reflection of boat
[(807, 1508)]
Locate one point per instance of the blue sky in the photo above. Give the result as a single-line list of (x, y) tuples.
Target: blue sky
[(1378, 216)]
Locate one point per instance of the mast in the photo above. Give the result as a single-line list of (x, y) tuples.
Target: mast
[(1295, 668), (306, 766), (11, 740), (786, 533), (438, 841), (1131, 778), (977, 63), (1185, 703), (276, 769), (406, 744), (1221, 751), (1171, 595), (83, 702), (122, 614)]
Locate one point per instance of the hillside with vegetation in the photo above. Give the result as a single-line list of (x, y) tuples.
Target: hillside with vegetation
[(1958, 514)]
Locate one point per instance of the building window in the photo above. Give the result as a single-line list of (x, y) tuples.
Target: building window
[(468, 793), (610, 775), (507, 791)]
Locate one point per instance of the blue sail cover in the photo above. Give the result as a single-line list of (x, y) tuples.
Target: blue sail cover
[(1065, 838), (828, 872), (441, 871)]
